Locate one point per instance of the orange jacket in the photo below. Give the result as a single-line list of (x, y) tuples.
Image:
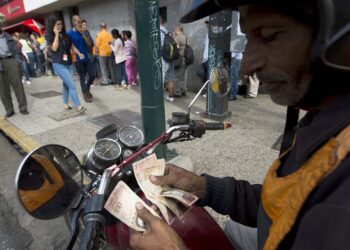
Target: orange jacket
[(103, 40)]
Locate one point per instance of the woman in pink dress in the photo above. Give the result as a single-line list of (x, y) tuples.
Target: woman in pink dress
[(131, 55)]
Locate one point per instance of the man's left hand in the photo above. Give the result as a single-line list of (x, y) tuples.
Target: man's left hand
[(158, 234), (81, 56)]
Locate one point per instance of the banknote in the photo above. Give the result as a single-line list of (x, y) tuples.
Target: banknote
[(122, 204), (184, 197), (145, 168), (161, 195), (167, 214)]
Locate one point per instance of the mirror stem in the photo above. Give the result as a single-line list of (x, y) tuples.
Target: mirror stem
[(104, 182), (196, 97)]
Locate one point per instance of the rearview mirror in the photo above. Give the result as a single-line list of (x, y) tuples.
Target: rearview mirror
[(46, 181), (219, 82)]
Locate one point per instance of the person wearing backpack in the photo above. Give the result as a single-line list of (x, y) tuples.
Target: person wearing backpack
[(180, 65), (167, 60)]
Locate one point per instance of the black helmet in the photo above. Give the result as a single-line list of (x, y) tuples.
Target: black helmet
[(331, 47)]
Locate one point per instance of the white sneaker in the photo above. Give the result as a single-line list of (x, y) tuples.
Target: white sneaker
[(169, 99), (28, 82), (204, 95)]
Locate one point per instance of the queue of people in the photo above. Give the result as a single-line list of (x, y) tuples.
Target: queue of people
[(112, 58), (116, 53)]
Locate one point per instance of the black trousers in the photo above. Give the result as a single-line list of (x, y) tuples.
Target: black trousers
[(85, 68), (10, 75)]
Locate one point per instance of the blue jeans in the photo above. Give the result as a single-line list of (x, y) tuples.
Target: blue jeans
[(31, 62), (235, 68), (65, 72), (24, 69), (121, 73)]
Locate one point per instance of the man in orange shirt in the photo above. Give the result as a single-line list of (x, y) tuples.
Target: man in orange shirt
[(104, 50)]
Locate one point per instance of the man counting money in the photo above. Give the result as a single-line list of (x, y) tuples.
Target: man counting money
[(299, 49)]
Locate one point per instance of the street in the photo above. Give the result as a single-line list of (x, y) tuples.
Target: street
[(17, 229)]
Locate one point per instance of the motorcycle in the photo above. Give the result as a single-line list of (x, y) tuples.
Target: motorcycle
[(51, 182)]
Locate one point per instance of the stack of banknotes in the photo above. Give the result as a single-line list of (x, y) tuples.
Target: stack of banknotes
[(170, 202)]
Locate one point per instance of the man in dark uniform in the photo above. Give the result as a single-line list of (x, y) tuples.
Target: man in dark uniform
[(10, 74), (299, 49)]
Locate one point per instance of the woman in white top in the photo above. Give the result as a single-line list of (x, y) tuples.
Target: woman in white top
[(27, 51), (120, 57)]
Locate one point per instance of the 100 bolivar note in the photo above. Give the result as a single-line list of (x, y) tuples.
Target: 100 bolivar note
[(161, 195), (122, 204)]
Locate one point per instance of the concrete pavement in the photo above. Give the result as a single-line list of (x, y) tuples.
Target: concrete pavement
[(245, 151)]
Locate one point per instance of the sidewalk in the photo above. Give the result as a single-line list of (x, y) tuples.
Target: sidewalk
[(245, 151)]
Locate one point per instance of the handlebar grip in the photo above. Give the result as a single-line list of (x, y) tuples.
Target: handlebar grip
[(214, 126), (89, 239)]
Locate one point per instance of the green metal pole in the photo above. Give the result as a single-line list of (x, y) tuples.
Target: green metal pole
[(150, 69)]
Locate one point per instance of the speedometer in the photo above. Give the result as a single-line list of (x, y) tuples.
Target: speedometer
[(107, 149), (131, 136)]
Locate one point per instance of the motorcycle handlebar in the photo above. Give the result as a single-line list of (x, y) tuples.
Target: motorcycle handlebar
[(199, 127), (90, 235), (214, 126)]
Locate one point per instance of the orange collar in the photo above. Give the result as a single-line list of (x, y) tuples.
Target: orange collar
[(283, 197)]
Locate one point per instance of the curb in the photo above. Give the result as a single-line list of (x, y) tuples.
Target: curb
[(26, 142)]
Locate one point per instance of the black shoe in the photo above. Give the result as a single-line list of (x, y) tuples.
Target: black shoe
[(233, 98), (24, 112), (184, 94), (177, 96), (9, 114)]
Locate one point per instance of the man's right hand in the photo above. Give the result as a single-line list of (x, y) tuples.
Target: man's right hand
[(180, 178)]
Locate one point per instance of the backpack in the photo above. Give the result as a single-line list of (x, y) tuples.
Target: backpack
[(170, 52), (189, 55)]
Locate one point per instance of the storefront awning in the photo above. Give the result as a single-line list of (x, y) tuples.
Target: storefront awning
[(26, 25)]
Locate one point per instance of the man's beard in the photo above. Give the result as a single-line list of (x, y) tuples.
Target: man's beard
[(284, 90)]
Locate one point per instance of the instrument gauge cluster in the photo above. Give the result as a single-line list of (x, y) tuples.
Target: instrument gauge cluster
[(107, 149), (131, 136)]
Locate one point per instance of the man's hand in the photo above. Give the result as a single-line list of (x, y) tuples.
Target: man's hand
[(158, 235), (81, 56), (180, 178)]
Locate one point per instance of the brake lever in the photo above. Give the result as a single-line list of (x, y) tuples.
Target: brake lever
[(184, 136), (75, 225)]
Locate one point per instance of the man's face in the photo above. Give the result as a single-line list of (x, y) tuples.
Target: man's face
[(84, 26), (78, 23), (278, 51)]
